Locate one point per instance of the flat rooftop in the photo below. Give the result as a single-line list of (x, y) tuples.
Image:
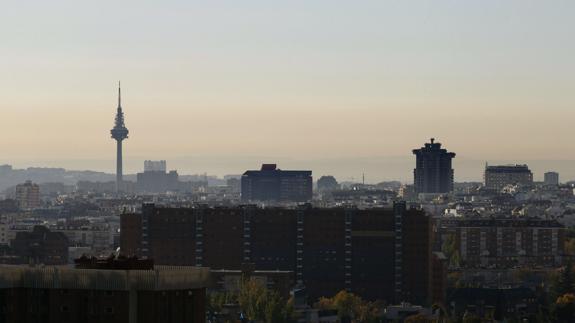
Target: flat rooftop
[(64, 277)]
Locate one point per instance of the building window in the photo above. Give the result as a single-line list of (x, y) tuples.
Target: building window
[(109, 310)]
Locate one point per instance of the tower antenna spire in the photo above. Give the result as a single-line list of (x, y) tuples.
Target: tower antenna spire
[(119, 95)]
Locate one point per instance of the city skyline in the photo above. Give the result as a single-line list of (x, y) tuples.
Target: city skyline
[(491, 80), (287, 161), (376, 169)]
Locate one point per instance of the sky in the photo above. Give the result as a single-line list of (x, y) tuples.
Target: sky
[(339, 87)]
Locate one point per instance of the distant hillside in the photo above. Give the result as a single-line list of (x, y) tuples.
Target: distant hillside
[(10, 177)]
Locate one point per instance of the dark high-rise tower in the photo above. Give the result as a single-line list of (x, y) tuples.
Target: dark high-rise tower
[(433, 172), (119, 133)]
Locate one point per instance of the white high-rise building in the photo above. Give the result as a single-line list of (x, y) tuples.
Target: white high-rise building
[(155, 166)]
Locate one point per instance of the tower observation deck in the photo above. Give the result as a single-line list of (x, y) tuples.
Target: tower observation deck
[(119, 133)]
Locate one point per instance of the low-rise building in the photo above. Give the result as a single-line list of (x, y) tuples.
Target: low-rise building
[(41, 246), (109, 294), (493, 303), (506, 242), (97, 237)]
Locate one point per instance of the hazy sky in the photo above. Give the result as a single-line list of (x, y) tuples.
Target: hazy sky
[(212, 85)]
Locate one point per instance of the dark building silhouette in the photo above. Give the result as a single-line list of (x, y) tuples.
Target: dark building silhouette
[(119, 133), (433, 172), (377, 253), (273, 184), (41, 246), (59, 294)]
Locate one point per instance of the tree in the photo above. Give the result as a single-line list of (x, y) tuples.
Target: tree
[(252, 298), (324, 303), (417, 318), (565, 308), (368, 312), (276, 309), (566, 284), (346, 304), (260, 304), (449, 248), (350, 307), (471, 318), (454, 280), (216, 300), (327, 183), (441, 311), (569, 246)]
